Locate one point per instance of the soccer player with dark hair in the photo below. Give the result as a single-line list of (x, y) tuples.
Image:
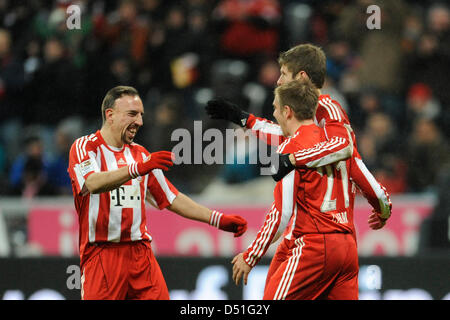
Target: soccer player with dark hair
[(112, 178)]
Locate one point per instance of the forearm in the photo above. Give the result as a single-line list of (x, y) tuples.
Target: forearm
[(338, 146), (371, 189), (265, 130), (99, 182), (188, 208), (264, 238)]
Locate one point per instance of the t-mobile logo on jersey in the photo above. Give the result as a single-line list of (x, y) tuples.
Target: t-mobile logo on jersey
[(126, 197)]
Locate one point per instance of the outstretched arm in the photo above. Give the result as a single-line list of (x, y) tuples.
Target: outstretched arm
[(188, 208), (264, 129), (337, 146), (375, 193)]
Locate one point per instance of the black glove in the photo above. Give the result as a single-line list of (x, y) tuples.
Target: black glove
[(284, 167), (222, 109)]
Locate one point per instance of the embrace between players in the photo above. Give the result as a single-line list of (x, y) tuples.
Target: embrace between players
[(318, 172)]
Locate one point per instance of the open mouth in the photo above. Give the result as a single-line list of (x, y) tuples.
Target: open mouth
[(131, 132)]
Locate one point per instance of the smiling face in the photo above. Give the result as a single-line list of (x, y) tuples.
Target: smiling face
[(125, 118)]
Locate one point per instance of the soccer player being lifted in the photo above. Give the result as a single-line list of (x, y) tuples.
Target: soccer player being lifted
[(308, 62), (112, 178)]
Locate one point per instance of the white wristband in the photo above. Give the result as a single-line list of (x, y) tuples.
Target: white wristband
[(133, 171), (214, 220)]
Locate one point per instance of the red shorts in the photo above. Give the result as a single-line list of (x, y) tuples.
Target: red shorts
[(314, 266), (119, 271)]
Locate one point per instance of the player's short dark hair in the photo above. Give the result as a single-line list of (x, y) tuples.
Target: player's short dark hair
[(301, 96), (308, 58), (115, 93)]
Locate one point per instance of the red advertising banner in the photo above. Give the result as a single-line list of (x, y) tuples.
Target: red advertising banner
[(55, 230)]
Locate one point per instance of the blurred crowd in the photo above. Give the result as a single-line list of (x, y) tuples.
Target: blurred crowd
[(178, 54)]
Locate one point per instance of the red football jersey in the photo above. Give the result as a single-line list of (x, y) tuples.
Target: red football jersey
[(340, 144), (118, 215), (318, 205), (311, 200)]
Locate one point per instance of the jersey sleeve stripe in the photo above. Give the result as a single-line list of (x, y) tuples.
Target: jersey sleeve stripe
[(317, 147), (83, 148), (340, 154), (287, 209), (283, 145), (254, 248), (267, 127), (334, 143), (262, 242), (77, 148), (334, 108), (382, 199), (330, 112), (164, 186)]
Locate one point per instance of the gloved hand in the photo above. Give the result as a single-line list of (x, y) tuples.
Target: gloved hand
[(230, 223), (156, 160), (222, 109), (283, 168)]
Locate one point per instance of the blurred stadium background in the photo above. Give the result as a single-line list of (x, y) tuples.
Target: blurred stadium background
[(393, 82)]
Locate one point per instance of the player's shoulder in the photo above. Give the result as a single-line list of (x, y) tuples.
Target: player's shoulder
[(84, 144), (89, 139), (136, 147), (330, 109), (306, 137)]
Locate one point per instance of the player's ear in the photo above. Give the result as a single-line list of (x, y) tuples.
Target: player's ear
[(301, 75), (108, 113), (288, 111)]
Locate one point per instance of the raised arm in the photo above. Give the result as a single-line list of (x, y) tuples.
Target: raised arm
[(263, 128), (87, 177), (98, 182)]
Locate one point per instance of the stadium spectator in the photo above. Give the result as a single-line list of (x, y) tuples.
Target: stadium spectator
[(421, 103), (34, 181), (248, 28), (117, 36), (427, 153), (12, 79), (60, 96), (123, 31), (29, 173), (65, 134), (376, 144), (430, 60), (33, 149)]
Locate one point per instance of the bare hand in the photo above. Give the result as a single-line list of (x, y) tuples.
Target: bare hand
[(240, 269), (375, 221)]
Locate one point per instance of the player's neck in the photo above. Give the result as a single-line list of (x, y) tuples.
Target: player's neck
[(293, 128), (110, 138)]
